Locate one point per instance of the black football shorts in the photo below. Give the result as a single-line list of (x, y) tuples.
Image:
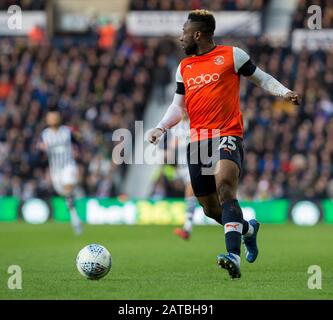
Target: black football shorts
[(202, 157)]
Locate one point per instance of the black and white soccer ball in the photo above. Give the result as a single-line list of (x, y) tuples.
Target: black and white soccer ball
[(94, 261)]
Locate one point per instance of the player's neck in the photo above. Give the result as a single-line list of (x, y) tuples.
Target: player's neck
[(205, 48), (55, 128)]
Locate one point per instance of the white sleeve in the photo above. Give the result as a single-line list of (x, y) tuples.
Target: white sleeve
[(240, 57), (174, 114), (179, 77), (268, 83)]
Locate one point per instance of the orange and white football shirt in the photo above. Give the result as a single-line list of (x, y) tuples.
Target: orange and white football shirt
[(212, 98)]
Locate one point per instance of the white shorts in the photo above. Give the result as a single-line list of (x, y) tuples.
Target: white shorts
[(63, 177)]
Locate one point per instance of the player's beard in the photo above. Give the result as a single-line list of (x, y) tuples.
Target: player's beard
[(191, 48)]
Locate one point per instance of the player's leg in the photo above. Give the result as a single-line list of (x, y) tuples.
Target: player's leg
[(211, 206), (68, 192), (205, 188), (190, 202), (203, 183), (69, 181), (229, 157), (226, 176)]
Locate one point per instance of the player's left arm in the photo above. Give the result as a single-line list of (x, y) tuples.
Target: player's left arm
[(41, 144), (244, 66)]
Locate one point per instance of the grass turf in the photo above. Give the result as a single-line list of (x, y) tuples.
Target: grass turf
[(150, 262)]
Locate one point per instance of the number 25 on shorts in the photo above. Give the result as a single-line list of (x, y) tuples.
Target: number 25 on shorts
[(228, 142)]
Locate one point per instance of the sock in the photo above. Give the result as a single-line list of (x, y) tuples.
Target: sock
[(232, 219), (246, 225), (190, 208), (75, 220)]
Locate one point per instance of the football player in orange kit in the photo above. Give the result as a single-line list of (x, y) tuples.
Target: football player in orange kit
[(208, 84)]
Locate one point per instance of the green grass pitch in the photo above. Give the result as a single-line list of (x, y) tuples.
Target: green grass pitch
[(150, 262)]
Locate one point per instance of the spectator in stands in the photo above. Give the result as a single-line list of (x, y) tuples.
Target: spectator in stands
[(162, 77), (37, 35), (5, 86), (107, 34)]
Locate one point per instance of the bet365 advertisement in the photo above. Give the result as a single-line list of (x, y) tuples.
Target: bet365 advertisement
[(162, 212)]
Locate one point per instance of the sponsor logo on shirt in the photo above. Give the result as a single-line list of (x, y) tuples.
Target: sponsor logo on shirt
[(202, 79)]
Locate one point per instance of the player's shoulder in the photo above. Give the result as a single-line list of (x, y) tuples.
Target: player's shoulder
[(65, 128), (231, 49), (235, 51), (183, 63), (45, 131)]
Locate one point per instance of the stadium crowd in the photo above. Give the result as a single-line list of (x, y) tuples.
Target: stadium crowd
[(93, 88), (289, 150), (24, 4)]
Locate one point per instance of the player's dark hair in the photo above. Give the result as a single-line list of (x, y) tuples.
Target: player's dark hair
[(52, 109), (206, 20)]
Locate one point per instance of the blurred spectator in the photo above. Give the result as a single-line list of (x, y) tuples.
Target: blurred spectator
[(106, 34), (37, 35), (162, 77), (5, 86)]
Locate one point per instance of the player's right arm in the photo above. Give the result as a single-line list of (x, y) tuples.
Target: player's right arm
[(174, 113), (41, 144)]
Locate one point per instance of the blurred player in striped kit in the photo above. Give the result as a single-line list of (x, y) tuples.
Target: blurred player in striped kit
[(182, 140), (57, 142)]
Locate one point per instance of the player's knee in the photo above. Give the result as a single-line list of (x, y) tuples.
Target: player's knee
[(226, 190)]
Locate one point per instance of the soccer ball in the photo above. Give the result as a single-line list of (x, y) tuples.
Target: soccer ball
[(94, 261)]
